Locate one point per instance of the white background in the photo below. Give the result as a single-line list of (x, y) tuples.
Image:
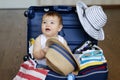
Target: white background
[(17, 3)]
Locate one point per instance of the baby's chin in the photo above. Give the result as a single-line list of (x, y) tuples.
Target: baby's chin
[(48, 35)]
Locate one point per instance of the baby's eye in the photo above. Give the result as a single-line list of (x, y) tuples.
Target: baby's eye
[(44, 22), (52, 22)]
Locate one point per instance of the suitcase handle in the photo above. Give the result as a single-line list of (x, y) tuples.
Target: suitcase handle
[(62, 8), (29, 13)]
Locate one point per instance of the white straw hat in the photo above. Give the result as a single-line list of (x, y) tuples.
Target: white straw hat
[(92, 20)]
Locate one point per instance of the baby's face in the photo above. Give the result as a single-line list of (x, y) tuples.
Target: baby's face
[(51, 26)]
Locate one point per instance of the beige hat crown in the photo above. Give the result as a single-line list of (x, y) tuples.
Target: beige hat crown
[(60, 59)]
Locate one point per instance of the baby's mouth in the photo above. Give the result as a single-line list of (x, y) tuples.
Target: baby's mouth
[(47, 29)]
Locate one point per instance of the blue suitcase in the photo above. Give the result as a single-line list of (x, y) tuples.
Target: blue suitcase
[(72, 31)]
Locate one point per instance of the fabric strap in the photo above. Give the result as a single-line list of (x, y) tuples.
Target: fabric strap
[(64, 53)]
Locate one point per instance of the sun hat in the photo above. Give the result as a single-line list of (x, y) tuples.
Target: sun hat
[(92, 19), (60, 59)]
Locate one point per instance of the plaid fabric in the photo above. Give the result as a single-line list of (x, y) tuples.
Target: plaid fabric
[(28, 71)]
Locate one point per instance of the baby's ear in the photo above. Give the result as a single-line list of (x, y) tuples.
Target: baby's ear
[(60, 28)]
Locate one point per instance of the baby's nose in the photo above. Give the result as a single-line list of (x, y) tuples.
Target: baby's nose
[(47, 25)]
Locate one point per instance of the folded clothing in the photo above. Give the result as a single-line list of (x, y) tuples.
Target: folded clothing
[(95, 68), (90, 58), (28, 71)]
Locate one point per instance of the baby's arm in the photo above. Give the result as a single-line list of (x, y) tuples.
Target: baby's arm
[(38, 52)]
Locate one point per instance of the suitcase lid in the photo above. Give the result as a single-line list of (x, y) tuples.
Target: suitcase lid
[(72, 30)]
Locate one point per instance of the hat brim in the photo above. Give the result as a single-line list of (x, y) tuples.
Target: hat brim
[(56, 41), (98, 35)]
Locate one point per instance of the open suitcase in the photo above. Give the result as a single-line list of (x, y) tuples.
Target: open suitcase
[(72, 32)]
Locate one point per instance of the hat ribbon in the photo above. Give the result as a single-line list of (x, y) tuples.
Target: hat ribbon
[(64, 53), (90, 22)]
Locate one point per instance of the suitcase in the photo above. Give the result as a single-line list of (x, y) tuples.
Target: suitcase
[(73, 33)]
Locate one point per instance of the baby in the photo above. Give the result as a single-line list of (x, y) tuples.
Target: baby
[(51, 26)]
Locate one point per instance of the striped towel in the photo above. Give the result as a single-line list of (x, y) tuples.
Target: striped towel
[(28, 71), (92, 58)]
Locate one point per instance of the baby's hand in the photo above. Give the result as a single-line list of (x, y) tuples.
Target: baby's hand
[(43, 52), (45, 49)]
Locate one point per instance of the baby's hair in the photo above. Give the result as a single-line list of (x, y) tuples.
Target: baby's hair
[(54, 13)]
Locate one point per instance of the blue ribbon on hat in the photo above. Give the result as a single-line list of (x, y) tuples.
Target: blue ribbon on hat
[(64, 53)]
